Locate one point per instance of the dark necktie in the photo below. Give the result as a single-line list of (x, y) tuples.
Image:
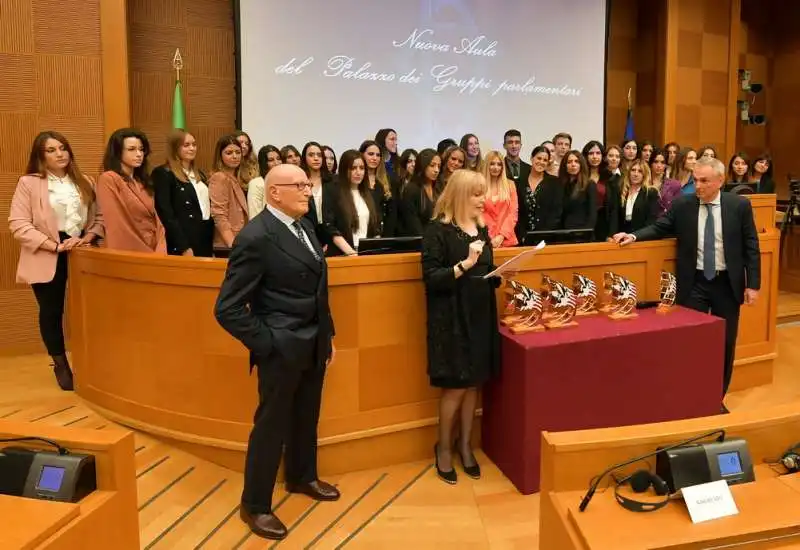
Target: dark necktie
[(709, 242), (298, 229), (514, 170)]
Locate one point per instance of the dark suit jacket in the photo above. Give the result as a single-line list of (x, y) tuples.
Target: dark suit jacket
[(580, 211), (645, 210), (333, 217), (274, 297), (416, 209), (739, 239), (387, 208), (524, 171), (315, 218), (549, 206), (179, 210)]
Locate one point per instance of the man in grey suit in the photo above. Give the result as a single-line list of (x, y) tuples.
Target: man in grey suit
[(274, 299), (718, 259)]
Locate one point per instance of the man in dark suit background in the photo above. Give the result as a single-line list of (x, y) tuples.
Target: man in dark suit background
[(274, 299), (718, 259), (517, 170)]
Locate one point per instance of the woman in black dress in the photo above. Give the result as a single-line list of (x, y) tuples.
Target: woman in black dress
[(463, 338)]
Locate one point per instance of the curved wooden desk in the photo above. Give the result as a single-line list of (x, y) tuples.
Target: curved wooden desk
[(149, 353)]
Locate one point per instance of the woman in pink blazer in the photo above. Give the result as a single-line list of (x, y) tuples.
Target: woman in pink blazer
[(53, 211), (500, 209), (125, 195), (228, 200)]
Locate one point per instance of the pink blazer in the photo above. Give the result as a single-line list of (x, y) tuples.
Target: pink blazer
[(33, 223), (501, 217), (130, 215), (228, 206)]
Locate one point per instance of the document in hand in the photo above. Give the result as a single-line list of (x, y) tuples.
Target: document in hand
[(514, 263)]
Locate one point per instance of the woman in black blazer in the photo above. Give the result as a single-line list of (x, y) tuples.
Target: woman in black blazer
[(540, 197), (382, 187), (348, 208), (420, 195), (580, 193), (182, 200), (638, 198)]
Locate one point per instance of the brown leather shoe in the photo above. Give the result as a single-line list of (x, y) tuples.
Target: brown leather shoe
[(266, 526), (318, 490)]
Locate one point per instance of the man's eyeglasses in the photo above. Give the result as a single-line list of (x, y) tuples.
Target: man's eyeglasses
[(300, 186)]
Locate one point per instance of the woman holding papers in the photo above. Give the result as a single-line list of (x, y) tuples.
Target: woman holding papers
[(463, 339)]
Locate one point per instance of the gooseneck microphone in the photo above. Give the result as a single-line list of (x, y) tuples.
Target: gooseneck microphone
[(596, 483)]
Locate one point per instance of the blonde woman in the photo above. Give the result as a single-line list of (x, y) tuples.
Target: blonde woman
[(638, 198), (248, 168), (501, 209), (463, 340)]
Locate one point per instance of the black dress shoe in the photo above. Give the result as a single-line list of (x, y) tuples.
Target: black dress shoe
[(62, 372), (266, 526), (448, 477), (473, 471), (318, 490)]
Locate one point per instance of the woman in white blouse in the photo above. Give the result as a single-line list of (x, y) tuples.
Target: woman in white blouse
[(53, 211), (182, 201), (269, 156), (348, 209)]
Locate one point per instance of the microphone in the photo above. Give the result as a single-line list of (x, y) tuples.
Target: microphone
[(598, 479)]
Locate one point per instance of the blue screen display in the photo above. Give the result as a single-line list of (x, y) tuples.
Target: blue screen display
[(729, 463), (51, 479)]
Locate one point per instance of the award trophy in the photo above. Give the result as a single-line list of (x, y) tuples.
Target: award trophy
[(560, 303), (669, 290), (585, 293), (621, 296), (523, 310)]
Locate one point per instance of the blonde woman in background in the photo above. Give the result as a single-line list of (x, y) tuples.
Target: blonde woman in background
[(638, 198), (501, 209), (462, 339), (248, 168)]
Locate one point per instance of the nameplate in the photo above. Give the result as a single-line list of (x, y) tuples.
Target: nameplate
[(709, 501)]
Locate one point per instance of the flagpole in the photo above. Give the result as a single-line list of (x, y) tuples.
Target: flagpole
[(178, 115)]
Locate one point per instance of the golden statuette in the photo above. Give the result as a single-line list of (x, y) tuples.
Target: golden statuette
[(560, 303), (621, 294)]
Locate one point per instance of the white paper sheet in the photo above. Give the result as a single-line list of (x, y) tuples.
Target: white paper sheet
[(514, 263)]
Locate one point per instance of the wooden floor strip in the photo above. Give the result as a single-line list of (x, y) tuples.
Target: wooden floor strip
[(186, 514), (154, 465), (101, 427), (11, 413), (294, 525), (384, 507), (48, 415), (217, 528), (140, 448), (169, 486), (346, 511), (249, 534), (71, 422)]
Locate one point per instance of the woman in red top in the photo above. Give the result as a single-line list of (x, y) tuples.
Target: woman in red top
[(500, 210)]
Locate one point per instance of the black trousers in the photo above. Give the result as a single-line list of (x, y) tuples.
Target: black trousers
[(716, 297), (51, 296), (287, 414)]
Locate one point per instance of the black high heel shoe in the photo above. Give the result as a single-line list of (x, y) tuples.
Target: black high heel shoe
[(472, 471), (448, 477)]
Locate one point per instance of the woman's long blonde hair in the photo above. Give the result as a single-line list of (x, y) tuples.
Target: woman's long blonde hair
[(454, 200), (647, 181), (504, 184)]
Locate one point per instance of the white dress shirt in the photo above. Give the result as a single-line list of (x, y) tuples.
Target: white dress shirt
[(288, 221), (719, 250), (201, 190), (629, 202), (362, 211), (65, 200)]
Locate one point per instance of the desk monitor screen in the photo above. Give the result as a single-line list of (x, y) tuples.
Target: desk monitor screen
[(50, 479), (560, 236), (389, 245), (730, 464)]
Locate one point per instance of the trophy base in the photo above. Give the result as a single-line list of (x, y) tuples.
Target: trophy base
[(585, 313), (663, 309), (523, 329), (622, 316), (510, 320), (555, 324)]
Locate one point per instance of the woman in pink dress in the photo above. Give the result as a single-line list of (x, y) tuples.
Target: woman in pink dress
[(500, 210)]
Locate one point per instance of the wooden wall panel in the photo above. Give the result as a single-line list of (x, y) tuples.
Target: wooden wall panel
[(52, 79), (203, 30)]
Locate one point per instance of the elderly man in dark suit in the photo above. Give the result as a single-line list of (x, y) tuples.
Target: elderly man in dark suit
[(274, 299), (718, 261)]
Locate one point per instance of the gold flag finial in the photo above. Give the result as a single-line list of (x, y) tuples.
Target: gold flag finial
[(630, 103), (177, 62)]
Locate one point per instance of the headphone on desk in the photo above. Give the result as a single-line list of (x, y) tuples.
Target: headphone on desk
[(791, 459), (640, 481)]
